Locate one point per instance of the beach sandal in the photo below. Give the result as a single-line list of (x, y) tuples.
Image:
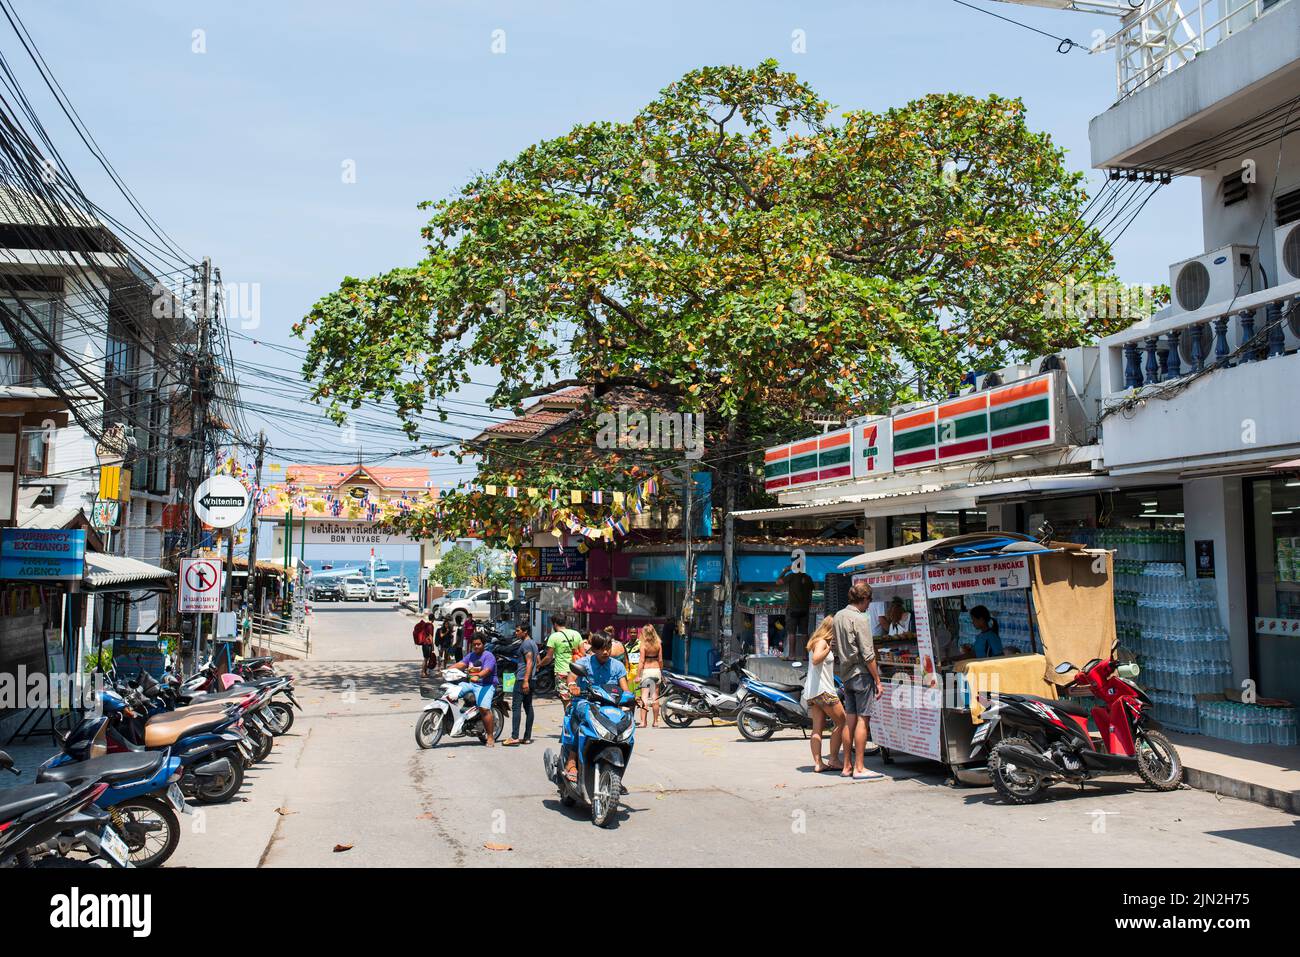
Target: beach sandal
[(868, 776)]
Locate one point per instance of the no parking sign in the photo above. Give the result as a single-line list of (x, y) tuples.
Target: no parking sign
[(200, 585)]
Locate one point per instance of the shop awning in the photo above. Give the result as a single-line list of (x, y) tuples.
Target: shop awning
[(119, 573), (923, 497)]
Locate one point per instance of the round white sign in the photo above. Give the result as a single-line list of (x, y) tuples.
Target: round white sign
[(221, 501)]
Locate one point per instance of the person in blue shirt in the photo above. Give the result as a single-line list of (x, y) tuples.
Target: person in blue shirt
[(603, 671), (482, 667), (988, 644)]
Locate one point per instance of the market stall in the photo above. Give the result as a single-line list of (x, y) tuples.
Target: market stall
[(1048, 603)]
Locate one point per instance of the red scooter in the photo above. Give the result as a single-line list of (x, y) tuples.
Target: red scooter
[(1040, 741)]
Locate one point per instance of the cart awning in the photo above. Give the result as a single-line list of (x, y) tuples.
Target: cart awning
[(976, 544), (119, 573)]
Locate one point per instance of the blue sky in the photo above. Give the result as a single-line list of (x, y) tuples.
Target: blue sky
[(239, 151)]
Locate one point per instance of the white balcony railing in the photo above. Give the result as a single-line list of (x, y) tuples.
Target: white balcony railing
[(1163, 35), (1255, 327)]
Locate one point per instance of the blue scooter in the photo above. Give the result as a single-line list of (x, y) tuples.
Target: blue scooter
[(142, 798), (601, 735), (769, 706)]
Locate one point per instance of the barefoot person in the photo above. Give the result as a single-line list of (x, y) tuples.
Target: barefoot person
[(855, 660), (819, 694)]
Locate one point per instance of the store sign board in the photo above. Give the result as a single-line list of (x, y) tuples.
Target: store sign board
[(43, 554), (105, 513), (822, 458), (888, 579), (1000, 421), (200, 586), (333, 532), (550, 564), (962, 578), (1009, 419)]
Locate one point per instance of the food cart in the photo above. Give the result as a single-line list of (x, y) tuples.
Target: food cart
[(1053, 602)]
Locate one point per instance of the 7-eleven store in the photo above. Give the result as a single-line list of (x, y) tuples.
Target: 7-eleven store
[(1017, 453)]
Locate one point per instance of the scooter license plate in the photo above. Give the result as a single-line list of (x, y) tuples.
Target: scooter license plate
[(980, 733), (115, 847), (177, 798), (246, 749)]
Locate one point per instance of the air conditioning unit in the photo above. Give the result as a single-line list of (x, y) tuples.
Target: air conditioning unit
[(1286, 244), (1212, 277)]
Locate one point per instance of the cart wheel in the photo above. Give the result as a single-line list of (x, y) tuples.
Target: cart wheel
[(886, 756)]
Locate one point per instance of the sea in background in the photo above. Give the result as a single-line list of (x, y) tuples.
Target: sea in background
[(396, 568)]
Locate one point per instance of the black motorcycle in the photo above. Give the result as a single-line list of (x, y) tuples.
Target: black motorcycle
[(684, 699), (506, 652), (41, 822)]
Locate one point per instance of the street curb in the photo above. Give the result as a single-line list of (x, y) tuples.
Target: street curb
[(1222, 785)]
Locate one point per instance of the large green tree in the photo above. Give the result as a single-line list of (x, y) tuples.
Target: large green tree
[(732, 246)]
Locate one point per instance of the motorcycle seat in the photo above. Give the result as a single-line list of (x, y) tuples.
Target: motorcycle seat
[(111, 768), (1062, 704), (167, 730), (18, 800), (209, 697)]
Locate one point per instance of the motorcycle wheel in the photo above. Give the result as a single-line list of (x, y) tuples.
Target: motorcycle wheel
[(498, 728), (604, 801), (265, 743), (429, 729), (1014, 787), (281, 715), (215, 794), (1158, 762), (674, 719), (150, 828), (753, 727), (544, 682)]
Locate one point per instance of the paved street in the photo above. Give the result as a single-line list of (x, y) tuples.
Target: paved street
[(350, 773)]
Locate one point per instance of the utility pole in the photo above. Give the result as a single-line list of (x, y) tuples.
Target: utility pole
[(730, 471), (688, 594), (253, 522), (200, 385)]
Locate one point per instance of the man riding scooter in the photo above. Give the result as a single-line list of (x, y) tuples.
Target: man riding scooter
[(603, 670), (481, 665)]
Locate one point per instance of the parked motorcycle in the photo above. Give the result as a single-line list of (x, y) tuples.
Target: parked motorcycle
[(506, 652), (771, 706), (212, 746), (602, 738), (142, 799), (37, 820), (685, 699), (1040, 741), (452, 716)]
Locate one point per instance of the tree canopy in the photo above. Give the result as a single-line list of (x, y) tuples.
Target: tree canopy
[(733, 246)]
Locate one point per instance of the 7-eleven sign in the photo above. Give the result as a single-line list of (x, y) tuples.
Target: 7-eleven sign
[(873, 451)]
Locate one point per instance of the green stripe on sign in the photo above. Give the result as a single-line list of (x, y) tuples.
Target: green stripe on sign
[(835, 456), (918, 439), (953, 429), (1020, 415), (804, 462), (777, 469)]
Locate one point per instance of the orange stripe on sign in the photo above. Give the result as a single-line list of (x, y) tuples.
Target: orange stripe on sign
[(771, 455), (910, 421), (1013, 393), (972, 404), (801, 447), (831, 441)]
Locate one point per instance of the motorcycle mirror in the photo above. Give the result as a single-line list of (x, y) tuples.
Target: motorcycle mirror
[(6, 762), (579, 669), (1065, 668)]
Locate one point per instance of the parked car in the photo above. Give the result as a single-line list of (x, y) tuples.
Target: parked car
[(403, 586), (355, 588), (383, 589), (462, 603), (328, 589)]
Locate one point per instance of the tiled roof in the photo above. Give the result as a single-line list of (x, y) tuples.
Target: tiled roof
[(334, 475), (548, 411)]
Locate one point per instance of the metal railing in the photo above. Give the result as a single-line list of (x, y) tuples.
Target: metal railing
[(270, 633), (1164, 35), (1259, 327)]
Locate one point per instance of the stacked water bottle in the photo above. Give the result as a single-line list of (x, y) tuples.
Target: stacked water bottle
[(1008, 609), (1172, 625), (1248, 723), (1131, 544)]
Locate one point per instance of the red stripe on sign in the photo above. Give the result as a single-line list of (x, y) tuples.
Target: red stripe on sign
[(962, 448), (908, 458), (1038, 433), (781, 482), (803, 478), (836, 472)]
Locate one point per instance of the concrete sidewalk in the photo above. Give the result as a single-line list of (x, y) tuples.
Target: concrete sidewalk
[(1267, 774)]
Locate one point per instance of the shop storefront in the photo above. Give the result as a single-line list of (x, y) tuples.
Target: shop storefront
[(1272, 507)]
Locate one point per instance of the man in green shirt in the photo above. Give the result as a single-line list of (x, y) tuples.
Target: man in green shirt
[(560, 647)]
